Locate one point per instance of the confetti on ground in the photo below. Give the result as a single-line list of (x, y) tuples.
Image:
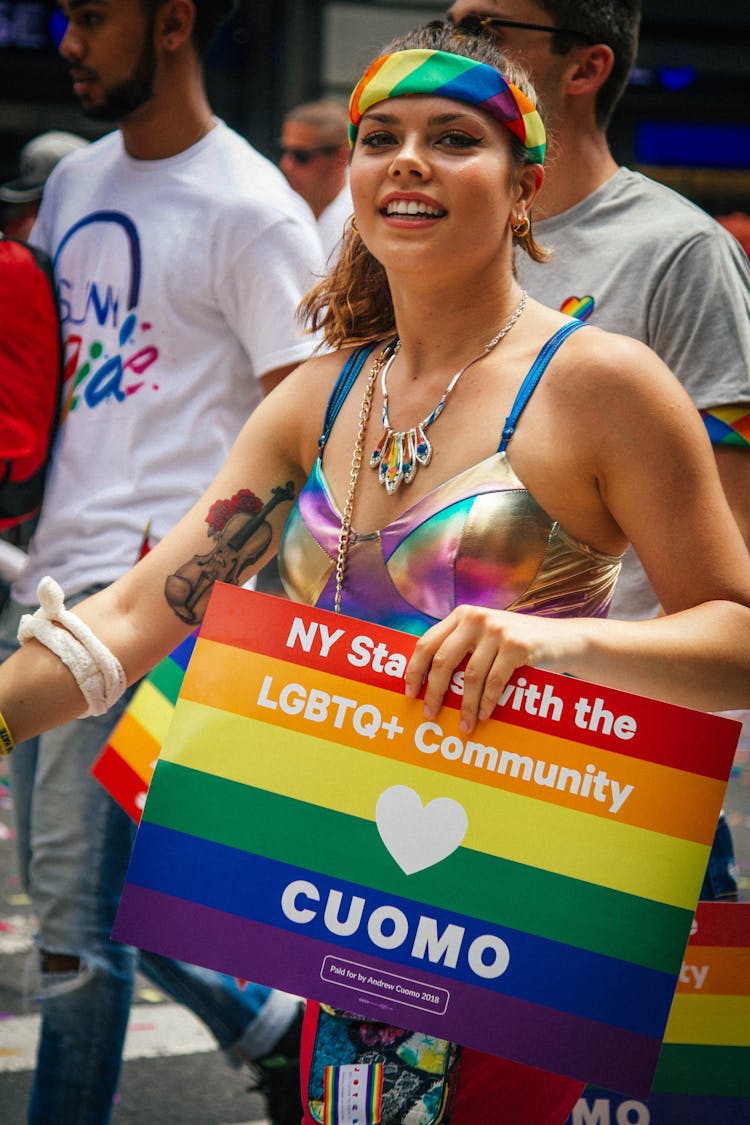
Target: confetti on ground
[(16, 933), (151, 996)]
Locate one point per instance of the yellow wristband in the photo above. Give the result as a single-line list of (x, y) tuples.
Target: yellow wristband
[(6, 738)]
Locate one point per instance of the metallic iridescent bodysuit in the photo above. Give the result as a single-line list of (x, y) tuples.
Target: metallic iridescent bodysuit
[(479, 538)]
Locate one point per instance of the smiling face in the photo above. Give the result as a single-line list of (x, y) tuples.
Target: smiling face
[(435, 185), (110, 52)]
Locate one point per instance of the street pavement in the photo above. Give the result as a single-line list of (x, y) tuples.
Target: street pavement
[(172, 1074)]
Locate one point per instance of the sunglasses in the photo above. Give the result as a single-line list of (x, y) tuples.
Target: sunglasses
[(305, 155), (475, 25)]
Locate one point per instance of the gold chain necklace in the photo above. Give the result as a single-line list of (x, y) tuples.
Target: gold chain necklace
[(345, 532), (399, 453)]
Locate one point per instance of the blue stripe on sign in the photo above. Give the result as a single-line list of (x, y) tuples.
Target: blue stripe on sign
[(551, 973)]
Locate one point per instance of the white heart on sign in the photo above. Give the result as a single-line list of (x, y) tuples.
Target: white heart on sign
[(417, 835)]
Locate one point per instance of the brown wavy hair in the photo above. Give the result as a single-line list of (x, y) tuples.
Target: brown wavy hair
[(352, 304)]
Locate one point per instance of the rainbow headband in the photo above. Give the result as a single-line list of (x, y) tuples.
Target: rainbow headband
[(449, 76)]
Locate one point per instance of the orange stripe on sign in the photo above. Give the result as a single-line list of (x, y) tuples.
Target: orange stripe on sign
[(135, 745), (121, 782), (715, 970)]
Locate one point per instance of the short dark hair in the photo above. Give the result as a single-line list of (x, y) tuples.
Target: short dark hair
[(209, 16), (615, 23)]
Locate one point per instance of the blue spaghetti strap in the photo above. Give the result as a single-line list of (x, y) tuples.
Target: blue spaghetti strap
[(347, 378), (535, 373)]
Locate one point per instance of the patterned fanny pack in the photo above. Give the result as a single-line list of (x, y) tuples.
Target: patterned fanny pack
[(367, 1073)]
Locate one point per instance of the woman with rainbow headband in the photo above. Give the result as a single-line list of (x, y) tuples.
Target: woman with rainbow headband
[(464, 464)]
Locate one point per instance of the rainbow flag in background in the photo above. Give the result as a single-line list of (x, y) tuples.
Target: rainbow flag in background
[(126, 764), (703, 1075), (527, 890)]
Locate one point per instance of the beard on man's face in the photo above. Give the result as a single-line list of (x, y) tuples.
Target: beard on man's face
[(126, 97)]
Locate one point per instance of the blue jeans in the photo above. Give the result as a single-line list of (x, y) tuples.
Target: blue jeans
[(720, 880), (74, 844)]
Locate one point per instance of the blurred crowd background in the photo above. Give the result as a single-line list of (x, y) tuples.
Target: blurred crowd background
[(684, 120)]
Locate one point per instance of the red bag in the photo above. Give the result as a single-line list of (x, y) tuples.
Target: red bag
[(30, 378)]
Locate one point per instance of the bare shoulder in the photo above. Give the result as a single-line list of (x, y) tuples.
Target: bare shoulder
[(626, 406), (619, 372), (297, 405), (309, 386)]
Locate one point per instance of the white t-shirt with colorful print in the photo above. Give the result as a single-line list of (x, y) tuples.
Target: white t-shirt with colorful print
[(178, 282)]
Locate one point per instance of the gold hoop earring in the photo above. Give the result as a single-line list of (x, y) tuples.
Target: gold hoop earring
[(522, 227), (353, 225)]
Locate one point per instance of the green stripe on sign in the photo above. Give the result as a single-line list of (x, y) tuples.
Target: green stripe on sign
[(167, 678), (687, 1068)]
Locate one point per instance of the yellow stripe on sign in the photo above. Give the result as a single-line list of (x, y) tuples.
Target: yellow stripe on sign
[(513, 827), (718, 1021), (152, 710), (675, 802)]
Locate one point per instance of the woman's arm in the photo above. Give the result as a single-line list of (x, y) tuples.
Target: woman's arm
[(654, 475), (143, 615)]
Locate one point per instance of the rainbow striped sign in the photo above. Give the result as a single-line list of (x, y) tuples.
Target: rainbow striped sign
[(527, 890), (126, 764), (703, 1075)]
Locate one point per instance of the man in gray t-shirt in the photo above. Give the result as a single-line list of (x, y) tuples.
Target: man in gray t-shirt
[(672, 277), (628, 254)]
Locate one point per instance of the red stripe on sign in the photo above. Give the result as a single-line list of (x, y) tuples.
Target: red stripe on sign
[(121, 782), (721, 923), (315, 638)]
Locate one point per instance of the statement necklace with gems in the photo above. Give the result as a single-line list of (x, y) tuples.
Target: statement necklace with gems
[(399, 453)]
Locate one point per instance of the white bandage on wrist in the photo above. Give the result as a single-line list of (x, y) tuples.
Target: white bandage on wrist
[(97, 671)]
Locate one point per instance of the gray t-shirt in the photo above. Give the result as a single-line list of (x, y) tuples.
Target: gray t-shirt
[(637, 258)]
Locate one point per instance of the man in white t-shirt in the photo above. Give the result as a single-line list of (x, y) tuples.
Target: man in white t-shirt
[(180, 256), (315, 160), (630, 254)]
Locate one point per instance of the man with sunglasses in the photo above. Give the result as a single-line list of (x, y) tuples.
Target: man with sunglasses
[(628, 253), (315, 161)]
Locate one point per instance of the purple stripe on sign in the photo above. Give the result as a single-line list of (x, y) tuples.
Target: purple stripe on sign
[(514, 1029)]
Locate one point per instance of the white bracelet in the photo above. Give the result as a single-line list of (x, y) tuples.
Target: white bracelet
[(97, 671)]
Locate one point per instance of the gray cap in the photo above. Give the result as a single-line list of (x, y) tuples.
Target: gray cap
[(38, 157)]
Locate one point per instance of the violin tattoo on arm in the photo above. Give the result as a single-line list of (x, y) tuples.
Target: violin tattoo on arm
[(242, 532)]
